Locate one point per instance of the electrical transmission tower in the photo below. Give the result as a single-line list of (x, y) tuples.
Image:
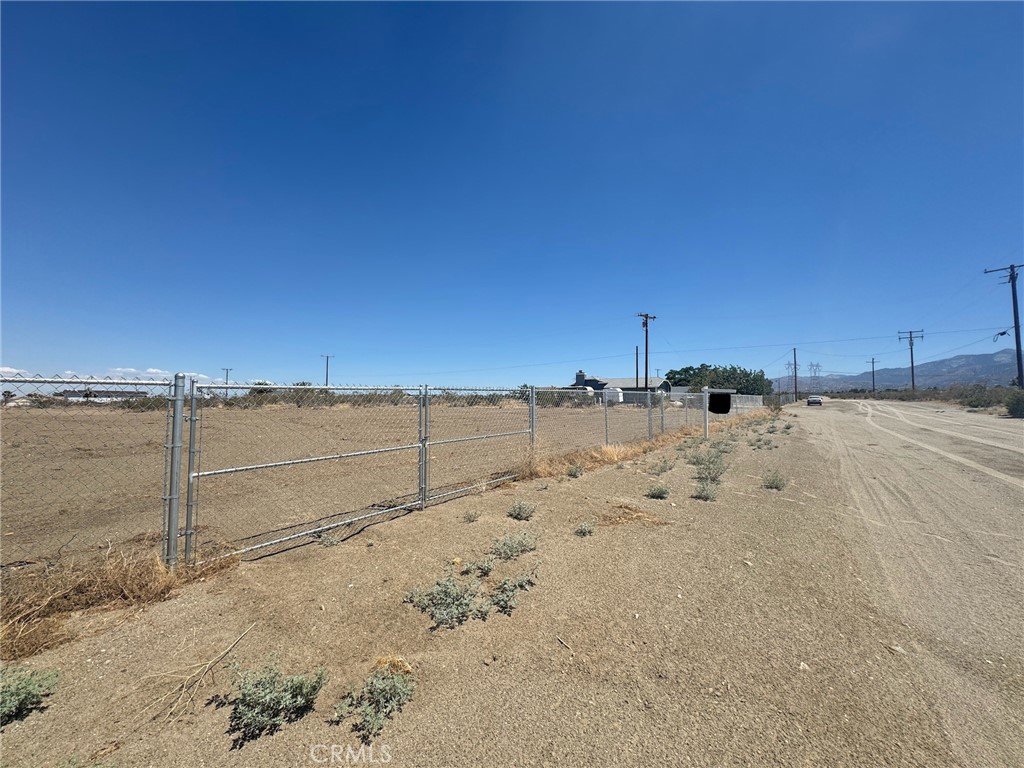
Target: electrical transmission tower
[(815, 369)]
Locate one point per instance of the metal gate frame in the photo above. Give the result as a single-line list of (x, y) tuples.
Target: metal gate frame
[(423, 445)]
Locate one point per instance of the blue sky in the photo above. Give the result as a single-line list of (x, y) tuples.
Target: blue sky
[(487, 194)]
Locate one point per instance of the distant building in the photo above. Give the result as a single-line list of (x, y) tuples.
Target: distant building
[(620, 390), (654, 383), (89, 395)]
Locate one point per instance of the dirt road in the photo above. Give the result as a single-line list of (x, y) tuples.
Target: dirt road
[(938, 530)]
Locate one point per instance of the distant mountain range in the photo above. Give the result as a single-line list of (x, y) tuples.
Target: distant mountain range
[(991, 370)]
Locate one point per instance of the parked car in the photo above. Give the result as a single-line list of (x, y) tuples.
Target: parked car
[(814, 400)]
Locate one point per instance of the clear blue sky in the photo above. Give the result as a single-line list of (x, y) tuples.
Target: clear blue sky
[(487, 194)]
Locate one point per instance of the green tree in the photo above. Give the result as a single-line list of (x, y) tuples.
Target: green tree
[(744, 381)]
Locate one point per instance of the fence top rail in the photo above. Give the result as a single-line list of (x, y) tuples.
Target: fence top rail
[(104, 382), (388, 388), (268, 387)]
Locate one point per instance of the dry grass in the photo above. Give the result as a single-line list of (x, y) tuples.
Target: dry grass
[(394, 664), (604, 455), (627, 513), (36, 602)]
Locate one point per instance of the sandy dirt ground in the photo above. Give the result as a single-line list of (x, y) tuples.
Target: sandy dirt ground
[(869, 614)]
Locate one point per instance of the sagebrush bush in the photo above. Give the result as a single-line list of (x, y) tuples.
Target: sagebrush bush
[(706, 491), (585, 529), (22, 691), (267, 699), (449, 602), (503, 598), (1015, 404), (575, 471), (512, 545), (388, 688), (520, 510), (471, 516), (661, 467), (657, 492), (773, 480), (483, 568)]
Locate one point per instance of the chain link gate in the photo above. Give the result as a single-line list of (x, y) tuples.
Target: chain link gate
[(273, 466)]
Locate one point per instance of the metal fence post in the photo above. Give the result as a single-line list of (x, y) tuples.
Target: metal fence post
[(423, 448), (706, 430), (190, 494), (650, 418), (533, 417), (661, 405), (173, 497), (425, 465), (606, 442)]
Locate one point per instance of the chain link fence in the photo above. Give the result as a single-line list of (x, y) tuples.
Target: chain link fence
[(253, 468), (85, 465)]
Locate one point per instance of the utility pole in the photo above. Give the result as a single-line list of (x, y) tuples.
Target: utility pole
[(647, 318), (327, 372), (226, 372), (796, 384), (1012, 280), (910, 337), (872, 374), (638, 366)]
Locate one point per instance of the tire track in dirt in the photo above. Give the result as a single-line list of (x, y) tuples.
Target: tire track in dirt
[(900, 416), (871, 412), (943, 554)]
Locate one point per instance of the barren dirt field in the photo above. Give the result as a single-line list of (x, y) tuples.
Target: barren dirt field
[(79, 479), (870, 613)]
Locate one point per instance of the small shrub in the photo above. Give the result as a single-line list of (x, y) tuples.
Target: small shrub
[(657, 492), (504, 596), (449, 602), (584, 529), (267, 699), (710, 467), (512, 545), (706, 491), (482, 569), (575, 471), (22, 691), (1015, 404), (389, 688), (773, 480), (521, 511), (662, 467), (325, 540), (772, 429), (471, 516)]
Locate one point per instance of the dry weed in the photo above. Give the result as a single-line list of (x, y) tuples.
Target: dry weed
[(629, 513), (35, 602), (600, 456)]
